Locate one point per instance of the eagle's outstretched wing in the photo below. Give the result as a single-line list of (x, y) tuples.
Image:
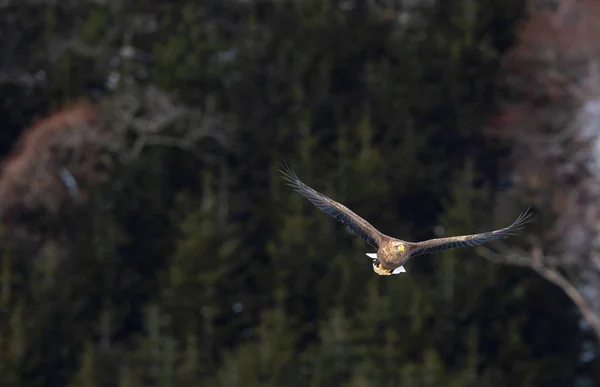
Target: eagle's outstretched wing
[(355, 223), (434, 245)]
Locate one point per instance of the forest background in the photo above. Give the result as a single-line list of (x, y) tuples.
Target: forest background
[(148, 239)]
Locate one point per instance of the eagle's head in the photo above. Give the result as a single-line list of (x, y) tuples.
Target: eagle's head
[(398, 249)]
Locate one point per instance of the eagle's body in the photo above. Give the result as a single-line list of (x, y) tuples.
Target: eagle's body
[(392, 253)]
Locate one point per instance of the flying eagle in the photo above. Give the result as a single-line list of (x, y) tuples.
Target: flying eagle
[(392, 253)]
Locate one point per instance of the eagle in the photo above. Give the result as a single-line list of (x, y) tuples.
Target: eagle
[(392, 253)]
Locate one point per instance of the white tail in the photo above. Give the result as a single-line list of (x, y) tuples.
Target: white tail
[(372, 255), (399, 270)]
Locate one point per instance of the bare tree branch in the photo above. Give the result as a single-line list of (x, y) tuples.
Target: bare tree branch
[(155, 119), (536, 260), (575, 295)]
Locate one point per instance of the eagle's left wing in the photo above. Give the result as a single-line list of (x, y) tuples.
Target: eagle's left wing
[(439, 244)]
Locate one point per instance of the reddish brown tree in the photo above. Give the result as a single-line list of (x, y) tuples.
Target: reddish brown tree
[(551, 116), (53, 163), (61, 157)]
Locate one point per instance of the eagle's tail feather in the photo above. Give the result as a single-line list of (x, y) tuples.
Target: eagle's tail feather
[(399, 270)]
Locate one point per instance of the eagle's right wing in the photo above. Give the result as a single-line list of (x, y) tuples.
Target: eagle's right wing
[(355, 223)]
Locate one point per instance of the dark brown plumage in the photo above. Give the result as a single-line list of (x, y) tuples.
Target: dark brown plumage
[(392, 253)]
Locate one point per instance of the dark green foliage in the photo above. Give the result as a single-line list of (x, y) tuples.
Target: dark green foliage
[(201, 268)]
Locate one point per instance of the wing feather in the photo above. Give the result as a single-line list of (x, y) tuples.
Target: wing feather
[(355, 223), (439, 244)]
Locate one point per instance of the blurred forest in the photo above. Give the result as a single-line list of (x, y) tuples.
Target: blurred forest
[(148, 239)]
